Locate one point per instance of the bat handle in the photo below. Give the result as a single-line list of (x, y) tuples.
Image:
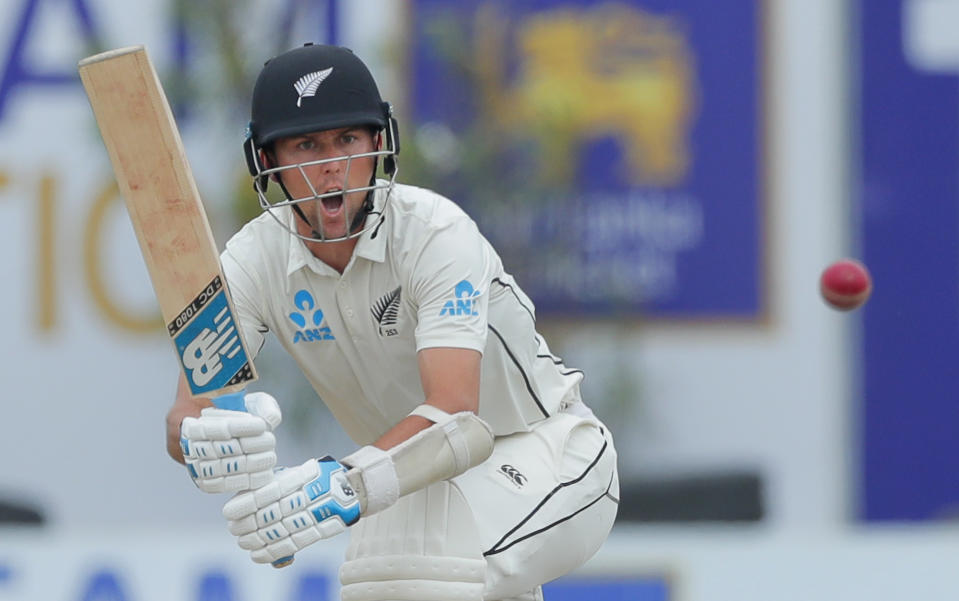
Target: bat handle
[(283, 561), (233, 401)]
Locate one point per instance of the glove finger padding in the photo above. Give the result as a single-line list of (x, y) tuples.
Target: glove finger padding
[(243, 464), (264, 406), (259, 443), (223, 424), (300, 506), (229, 451), (233, 483), (217, 449), (242, 526)]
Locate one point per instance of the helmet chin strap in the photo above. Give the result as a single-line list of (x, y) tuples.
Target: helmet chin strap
[(365, 209), (296, 209)]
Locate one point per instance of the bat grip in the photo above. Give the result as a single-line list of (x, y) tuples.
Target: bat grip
[(233, 401)]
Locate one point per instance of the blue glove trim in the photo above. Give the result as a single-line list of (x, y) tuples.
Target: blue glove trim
[(348, 514), (321, 485)]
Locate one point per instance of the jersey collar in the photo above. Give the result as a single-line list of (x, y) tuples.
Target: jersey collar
[(300, 256)]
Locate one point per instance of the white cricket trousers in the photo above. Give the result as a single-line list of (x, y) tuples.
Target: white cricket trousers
[(538, 508)]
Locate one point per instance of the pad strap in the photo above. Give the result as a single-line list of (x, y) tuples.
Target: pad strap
[(375, 468), (455, 437), (431, 412)]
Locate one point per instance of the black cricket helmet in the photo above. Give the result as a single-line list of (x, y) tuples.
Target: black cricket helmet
[(315, 88)]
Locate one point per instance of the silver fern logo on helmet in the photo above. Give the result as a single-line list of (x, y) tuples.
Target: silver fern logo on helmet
[(307, 85)]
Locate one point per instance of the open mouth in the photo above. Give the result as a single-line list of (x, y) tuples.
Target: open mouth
[(332, 205)]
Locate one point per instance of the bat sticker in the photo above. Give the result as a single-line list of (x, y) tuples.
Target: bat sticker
[(207, 341)]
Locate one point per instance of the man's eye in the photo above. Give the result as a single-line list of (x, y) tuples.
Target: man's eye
[(348, 138), (306, 145)]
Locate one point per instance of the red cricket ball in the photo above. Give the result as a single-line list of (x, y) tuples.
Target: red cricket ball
[(846, 284)]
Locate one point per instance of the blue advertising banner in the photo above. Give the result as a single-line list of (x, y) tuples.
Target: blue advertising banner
[(612, 152), (652, 588), (910, 236)]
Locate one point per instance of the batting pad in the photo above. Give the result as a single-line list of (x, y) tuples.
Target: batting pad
[(423, 548)]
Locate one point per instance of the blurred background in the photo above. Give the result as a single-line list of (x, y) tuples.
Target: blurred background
[(666, 179)]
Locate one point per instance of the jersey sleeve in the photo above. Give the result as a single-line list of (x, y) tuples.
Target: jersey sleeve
[(243, 287), (450, 283)]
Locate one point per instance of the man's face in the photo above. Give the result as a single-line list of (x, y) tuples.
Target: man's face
[(332, 217)]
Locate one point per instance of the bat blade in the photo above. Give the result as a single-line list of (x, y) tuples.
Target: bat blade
[(155, 179)]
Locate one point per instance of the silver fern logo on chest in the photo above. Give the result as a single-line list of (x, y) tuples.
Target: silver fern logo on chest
[(386, 311), (307, 85)]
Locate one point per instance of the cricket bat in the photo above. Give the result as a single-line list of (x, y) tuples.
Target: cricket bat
[(171, 226), (155, 179)]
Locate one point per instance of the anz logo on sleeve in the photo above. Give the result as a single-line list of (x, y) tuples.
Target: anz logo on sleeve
[(463, 301), (309, 319)]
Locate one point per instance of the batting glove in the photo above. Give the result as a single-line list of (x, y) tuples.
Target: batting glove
[(229, 451), (301, 506)]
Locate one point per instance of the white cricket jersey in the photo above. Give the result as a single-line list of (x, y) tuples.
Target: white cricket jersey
[(428, 278)]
